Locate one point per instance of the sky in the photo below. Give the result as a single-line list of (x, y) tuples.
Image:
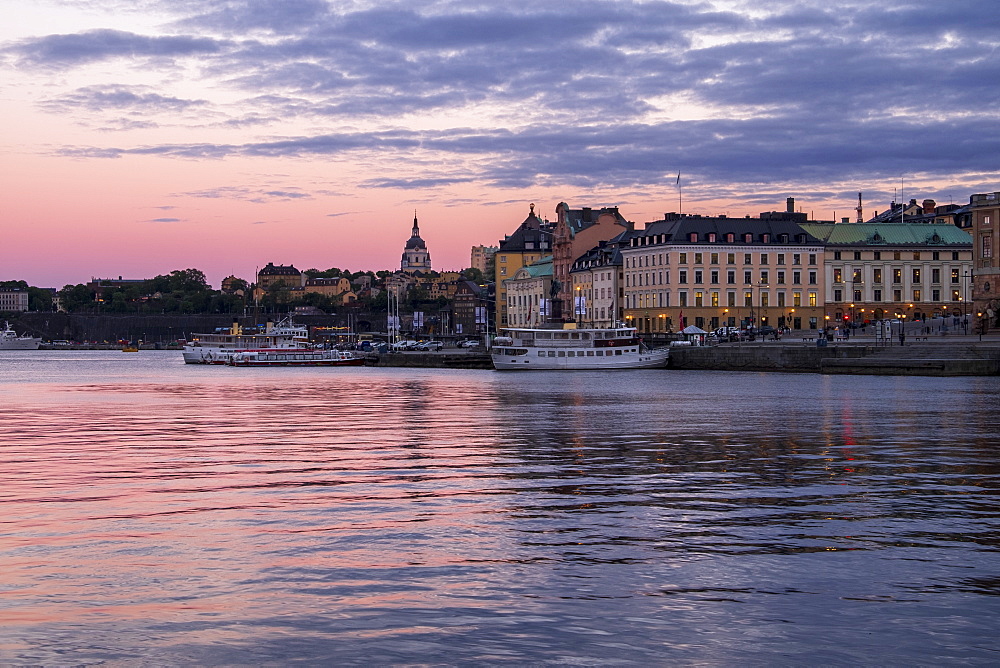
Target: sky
[(142, 137)]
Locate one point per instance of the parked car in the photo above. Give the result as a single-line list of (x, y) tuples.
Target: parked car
[(471, 343), (430, 345), (404, 345)]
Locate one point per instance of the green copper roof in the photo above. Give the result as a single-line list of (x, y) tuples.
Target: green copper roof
[(540, 267), (888, 234)]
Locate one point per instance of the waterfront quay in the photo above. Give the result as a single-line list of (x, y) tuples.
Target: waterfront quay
[(952, 355)]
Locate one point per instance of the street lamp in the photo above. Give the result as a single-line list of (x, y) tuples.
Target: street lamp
[(981, 324)]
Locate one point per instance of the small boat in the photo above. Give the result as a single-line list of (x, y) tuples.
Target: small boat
[(9, 340), (130, 349), (576, 348), (304, 357)]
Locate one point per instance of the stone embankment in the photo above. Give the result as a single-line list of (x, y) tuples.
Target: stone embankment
[(934, 358), (439, 360)]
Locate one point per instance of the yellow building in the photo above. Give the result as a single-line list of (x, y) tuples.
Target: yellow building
[(530, 242)]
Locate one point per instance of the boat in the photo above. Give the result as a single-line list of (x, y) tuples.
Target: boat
[(219, 347), (308, 357), (574, 348), (9, 340)]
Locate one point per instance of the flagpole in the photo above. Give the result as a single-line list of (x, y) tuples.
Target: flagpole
[(680, 196)]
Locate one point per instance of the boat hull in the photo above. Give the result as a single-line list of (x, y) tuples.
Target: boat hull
[(20, 344), (650, 359)]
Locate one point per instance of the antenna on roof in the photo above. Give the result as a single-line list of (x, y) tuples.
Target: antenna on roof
[(861, 218)]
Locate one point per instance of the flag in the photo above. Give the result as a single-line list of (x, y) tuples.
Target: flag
[(678, 182)]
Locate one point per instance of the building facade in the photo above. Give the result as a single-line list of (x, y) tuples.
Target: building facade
[(720, 271), (986, 272), (908, 271), (577, 231), (531, 241), (528, 294), (13, 300), (597, 295), (481, 256)]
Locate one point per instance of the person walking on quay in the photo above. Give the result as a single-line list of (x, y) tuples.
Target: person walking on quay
[(902, 337)]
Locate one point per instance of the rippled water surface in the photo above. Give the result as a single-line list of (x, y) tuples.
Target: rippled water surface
[(161, 514)]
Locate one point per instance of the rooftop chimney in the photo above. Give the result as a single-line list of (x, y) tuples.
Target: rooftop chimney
[(790, 205), (929, 205)]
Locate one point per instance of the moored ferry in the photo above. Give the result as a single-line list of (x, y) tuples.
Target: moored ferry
[(219, 347), (578, 348), (266, 358)]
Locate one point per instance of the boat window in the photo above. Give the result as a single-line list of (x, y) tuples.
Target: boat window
[(571, 353), (552, 353), (585, 336), (575, 336), (562, 353), (590, 353), (541, 353), (618, 352), (561, 335), (543, 335)]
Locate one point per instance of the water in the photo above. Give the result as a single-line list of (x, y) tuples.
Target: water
[(153, 513)]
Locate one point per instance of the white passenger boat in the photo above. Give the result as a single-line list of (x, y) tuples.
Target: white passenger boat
[(550, 348), (219, 347), (275, 357), (9, 340)]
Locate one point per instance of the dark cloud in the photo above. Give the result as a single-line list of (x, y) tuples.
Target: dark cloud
[(587, 95), (63, 51), (140, 100)]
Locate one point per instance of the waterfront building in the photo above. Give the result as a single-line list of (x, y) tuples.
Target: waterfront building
[(470, 309), (274, 274), (528, 295), (531, 241), (481, 256), (278, 277), (597, 280), (986, 272), (13, 300), (339, 288), (416, 258), (720, 271), (577, 231), (909, 271)]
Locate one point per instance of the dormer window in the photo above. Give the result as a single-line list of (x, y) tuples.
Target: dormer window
[(730, 238), (711, 237), (693, 237), (765, 238), (748, 238)]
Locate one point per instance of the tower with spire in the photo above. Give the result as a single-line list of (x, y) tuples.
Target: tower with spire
[(416, 258)]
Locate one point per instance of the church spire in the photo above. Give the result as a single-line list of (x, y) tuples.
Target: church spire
[(416, 228)]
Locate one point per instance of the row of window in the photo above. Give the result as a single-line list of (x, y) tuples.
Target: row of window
[(698, 298), (916, 295), (639, 279), (896, 255), (658, 259), (897, 275)]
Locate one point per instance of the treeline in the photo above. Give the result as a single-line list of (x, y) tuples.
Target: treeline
[(187, 291)]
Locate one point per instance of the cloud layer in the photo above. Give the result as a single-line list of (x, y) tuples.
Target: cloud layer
[(586, 95)]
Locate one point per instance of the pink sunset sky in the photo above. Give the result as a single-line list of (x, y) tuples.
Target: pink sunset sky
[(143, 137)]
